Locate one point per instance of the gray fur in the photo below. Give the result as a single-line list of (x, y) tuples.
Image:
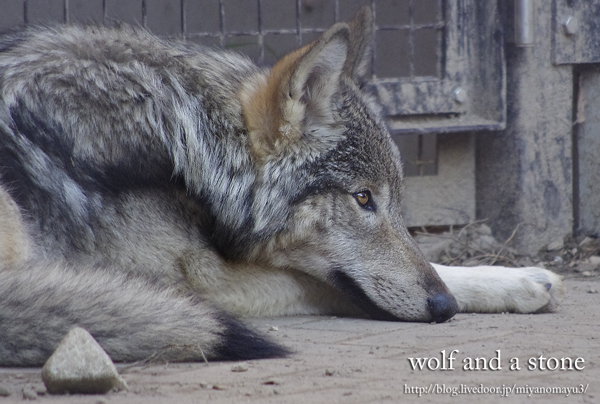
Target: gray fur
[(148, 187), (137, 192)]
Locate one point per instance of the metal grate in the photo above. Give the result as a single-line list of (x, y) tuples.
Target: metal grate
[(267, 29), (408, 40)]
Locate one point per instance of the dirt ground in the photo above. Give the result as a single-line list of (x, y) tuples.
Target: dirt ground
[(340, 360)]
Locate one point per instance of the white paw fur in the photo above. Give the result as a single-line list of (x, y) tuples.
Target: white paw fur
[(491, 289)]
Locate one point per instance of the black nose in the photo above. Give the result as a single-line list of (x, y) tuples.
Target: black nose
[(442, 307)]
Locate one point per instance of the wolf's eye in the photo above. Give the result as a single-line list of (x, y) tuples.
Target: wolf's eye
[(365, 200), (362, 198)]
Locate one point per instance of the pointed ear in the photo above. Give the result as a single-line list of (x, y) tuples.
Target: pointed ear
[(361, 40), (320, 64), (296, 97)]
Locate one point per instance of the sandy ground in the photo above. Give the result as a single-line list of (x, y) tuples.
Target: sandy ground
[(340, 360)]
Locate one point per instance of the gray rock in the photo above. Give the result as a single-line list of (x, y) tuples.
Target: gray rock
[(40, 389), (80, 365), (240, 367), (594, 260), (485, 243), (5, 391), (585, 267), (29, 393), (485, 230), (556, 245)]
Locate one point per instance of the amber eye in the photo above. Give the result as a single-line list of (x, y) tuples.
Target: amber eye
[(365, 200), (362, 198)]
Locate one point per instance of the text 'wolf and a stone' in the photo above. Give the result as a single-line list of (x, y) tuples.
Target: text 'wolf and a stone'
[(446, 361), (503, 391)]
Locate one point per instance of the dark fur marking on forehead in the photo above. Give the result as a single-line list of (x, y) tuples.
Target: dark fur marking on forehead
[(357, 159), (366, 148), (362, 158)]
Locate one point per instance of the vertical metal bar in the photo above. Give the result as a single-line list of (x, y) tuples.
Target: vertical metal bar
[(524, 23), (373, 39), (66, 11), (144, 14), (183, 21), (336, 11), (575, 150), (261, 42), (443, 45), (222, 22), (411, 40), (298, 22), (420, 156)]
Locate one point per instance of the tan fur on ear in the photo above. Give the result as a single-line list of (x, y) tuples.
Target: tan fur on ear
[(263, 102), (295, 95)]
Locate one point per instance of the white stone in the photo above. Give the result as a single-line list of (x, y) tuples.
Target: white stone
[(80, 365), (240, 367)]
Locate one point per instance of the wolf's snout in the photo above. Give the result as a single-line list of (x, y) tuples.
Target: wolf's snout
[(442, 307)]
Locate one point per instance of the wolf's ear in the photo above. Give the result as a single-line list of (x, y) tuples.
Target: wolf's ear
[(296, 97), (361, 40)]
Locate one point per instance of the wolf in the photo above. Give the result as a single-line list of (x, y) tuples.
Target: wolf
[(154, 192)]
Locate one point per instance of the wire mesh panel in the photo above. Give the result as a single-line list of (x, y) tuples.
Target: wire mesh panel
[(268, 29), (408, 33)]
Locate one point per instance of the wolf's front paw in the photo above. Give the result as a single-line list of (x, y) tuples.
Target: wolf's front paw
[(545, 284), (499, 289)]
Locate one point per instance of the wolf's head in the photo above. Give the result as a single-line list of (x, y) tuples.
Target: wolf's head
[(329, 180)]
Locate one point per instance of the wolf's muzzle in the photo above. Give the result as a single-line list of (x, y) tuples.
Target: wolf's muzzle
[(442, 307)]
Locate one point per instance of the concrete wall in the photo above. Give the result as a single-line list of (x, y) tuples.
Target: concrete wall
[(524, 173)]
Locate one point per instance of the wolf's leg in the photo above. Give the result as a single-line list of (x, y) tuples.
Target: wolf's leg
[(260, 292), (131, 319), (14, 242), (499, 289)]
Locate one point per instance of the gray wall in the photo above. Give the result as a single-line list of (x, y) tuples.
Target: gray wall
[(524, 173)]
